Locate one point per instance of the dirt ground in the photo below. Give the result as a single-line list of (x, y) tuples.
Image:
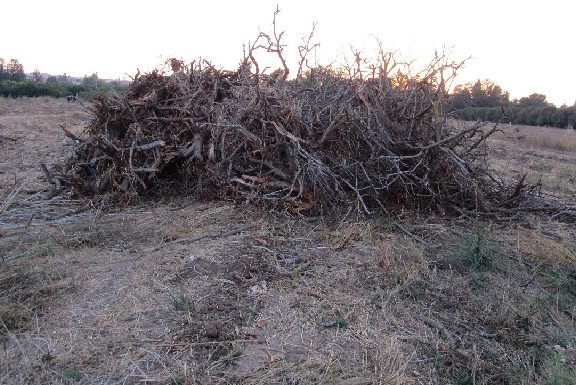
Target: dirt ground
[(182, 291)]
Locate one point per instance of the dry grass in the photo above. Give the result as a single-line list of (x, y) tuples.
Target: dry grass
[(30, 135), (543, 138), (546, 155), (171, 293), (530, 137)]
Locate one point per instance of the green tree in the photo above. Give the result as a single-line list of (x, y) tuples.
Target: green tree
[(482, 93), (532, 116), (495, 96), (560, 117), (545, 116), (461, 98), (91, 82), (36, 76), (534, 100), (15, 70)]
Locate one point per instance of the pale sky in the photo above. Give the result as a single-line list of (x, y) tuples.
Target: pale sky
[(524, 46)]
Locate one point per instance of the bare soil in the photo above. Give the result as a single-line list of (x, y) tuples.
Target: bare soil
[(183, 291)]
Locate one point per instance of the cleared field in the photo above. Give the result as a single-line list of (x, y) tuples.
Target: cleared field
[(182, 291), (547, 155), (29, 135), (542, 138)]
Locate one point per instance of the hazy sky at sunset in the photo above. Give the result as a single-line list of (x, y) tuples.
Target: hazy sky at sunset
[(525, 46)]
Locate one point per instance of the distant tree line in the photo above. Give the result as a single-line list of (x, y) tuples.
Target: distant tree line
[(485, 100), (11, 70), (14, 83)]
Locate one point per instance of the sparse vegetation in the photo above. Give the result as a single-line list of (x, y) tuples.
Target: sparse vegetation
[(559, 372), (14, 316), (72, 374), (181, 303), (475, 250), (46, 249)]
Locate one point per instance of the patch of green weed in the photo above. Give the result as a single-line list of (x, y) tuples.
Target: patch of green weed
[(72, 374), (181, 303), (465, 380), (475, 250), (559, 372), (176, 381)]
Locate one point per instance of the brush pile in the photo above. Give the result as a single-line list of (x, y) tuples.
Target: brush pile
[(368, 136)]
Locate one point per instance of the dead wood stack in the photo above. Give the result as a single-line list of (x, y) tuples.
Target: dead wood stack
[(329, 140)]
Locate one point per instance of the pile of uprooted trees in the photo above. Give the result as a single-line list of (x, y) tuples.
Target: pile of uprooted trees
[(367, 136)]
